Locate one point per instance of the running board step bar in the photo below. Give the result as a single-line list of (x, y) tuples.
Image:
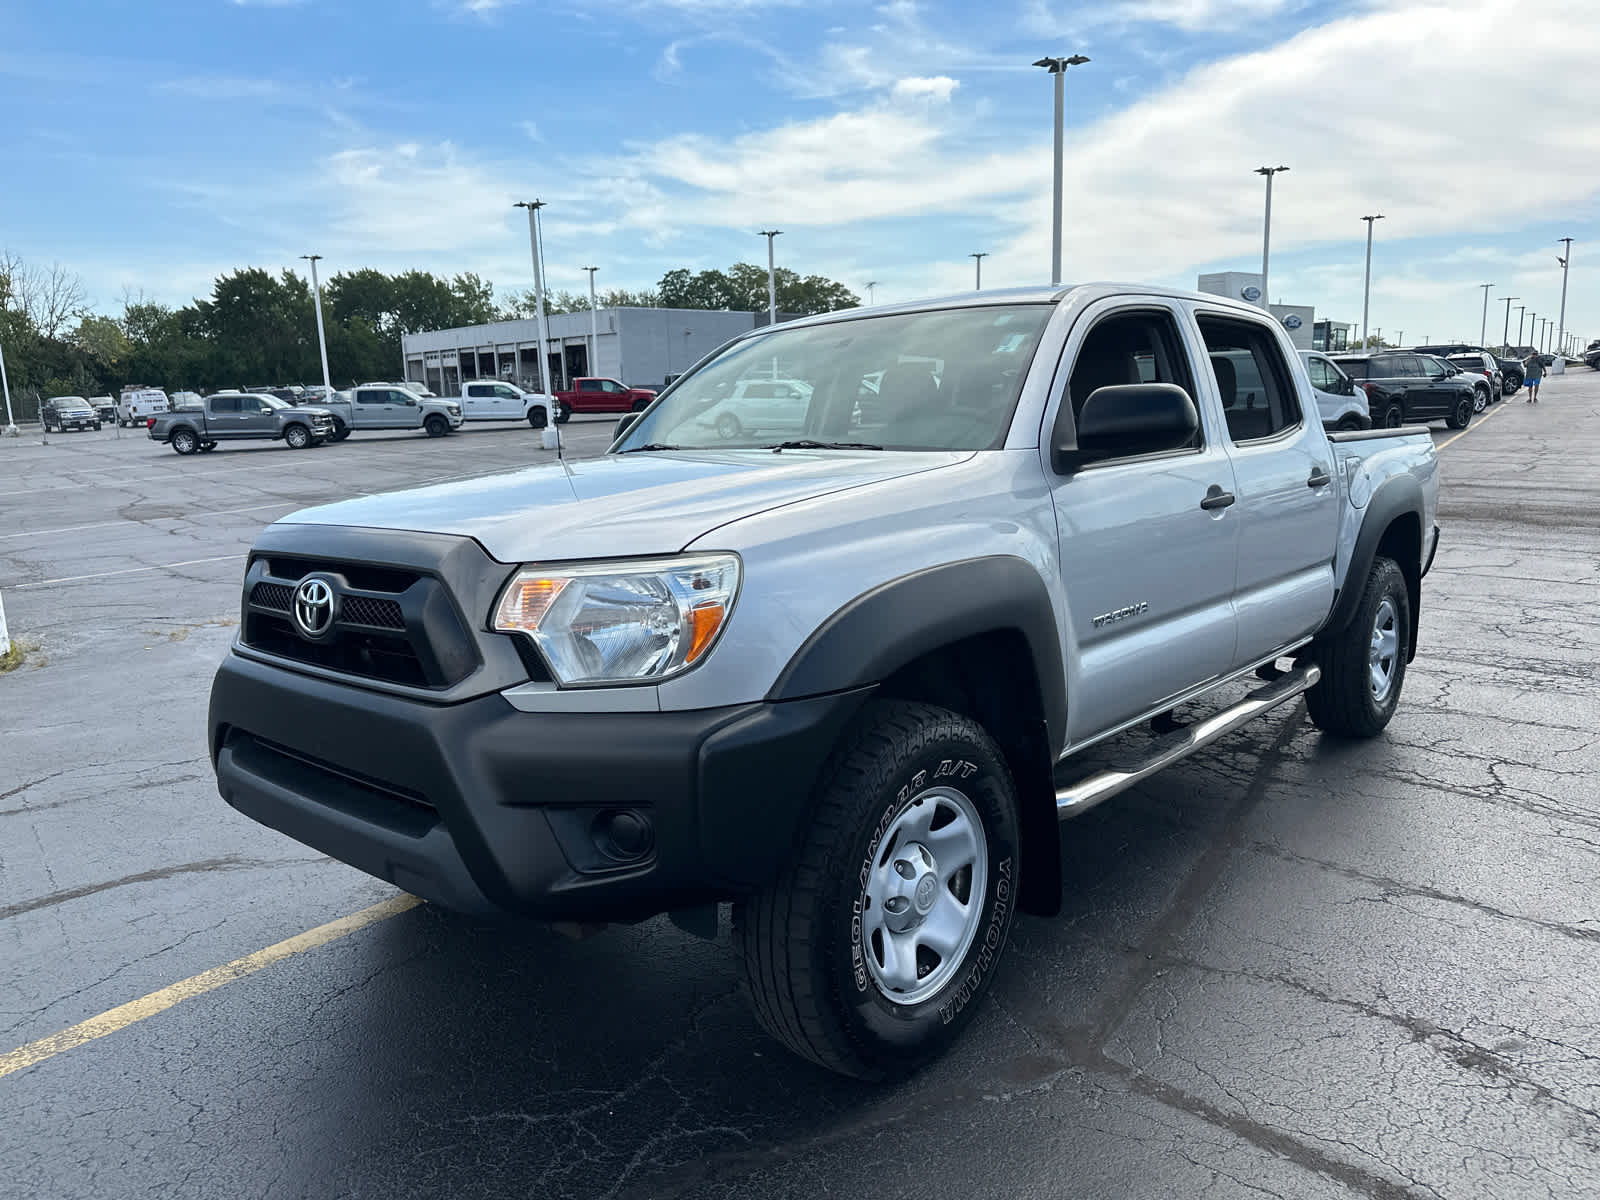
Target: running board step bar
[(1085, 794)]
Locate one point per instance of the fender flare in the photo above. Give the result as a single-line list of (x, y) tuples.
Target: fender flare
[(895, 623), (1396, 497)]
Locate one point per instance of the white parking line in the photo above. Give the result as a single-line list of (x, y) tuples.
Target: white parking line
[(210, 512), (192, 562)]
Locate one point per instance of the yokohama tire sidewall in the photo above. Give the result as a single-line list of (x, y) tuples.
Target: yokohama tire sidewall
[(978, 772)]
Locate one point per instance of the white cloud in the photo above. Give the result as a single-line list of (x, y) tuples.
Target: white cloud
[(531, 128), (1191, 16), (937, 87)]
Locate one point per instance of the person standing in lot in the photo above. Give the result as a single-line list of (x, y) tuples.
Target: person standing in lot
[(1533, 367)]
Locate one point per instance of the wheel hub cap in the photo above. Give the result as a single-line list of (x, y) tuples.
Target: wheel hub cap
[(1382, 661), (925, 889)]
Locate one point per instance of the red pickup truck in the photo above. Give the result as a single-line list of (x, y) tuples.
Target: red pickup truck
[(603, 396)]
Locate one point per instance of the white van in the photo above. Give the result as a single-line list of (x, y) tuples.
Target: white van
[(137, 404)]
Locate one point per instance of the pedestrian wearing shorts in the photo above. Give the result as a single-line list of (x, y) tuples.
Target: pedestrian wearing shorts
[(1534, 366)]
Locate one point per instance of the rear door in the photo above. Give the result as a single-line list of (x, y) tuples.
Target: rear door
[(589, 396), (1148, 573), (480, 402), (223, 420), (1287, 507), (371, 409)]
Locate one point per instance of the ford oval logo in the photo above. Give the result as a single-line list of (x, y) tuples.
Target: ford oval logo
[(1292, 321), (1251, 293)]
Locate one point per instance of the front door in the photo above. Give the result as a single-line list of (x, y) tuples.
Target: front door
[(1287, 509), (255, 418), (1148, 572)]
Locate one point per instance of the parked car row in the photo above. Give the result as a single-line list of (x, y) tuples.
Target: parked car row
[(1405, 388)]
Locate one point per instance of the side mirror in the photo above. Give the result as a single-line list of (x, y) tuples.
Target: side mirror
[(625, 424), (1123, 421)]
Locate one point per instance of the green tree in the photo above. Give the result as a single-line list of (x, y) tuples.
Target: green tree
[(743, 287), (102, 339)]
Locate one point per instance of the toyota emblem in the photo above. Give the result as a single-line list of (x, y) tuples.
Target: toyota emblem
[(313, 607)]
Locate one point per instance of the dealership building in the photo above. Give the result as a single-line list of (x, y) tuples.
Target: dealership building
[(640, 347), (1299, 320)]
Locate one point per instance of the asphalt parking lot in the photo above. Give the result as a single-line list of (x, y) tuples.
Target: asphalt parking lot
[(1290, 966)]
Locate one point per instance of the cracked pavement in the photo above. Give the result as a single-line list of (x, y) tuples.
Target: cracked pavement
[(1288, 967)]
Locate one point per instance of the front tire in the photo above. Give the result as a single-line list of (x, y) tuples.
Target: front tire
[(537, 417), (869, 951), (563, 412), (1348, 424), (436, 426), (297, 437), (340, 430), (1461, 415), (1364, 664)]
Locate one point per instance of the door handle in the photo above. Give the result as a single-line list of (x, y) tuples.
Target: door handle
[(1319, 477), (1216, 498)]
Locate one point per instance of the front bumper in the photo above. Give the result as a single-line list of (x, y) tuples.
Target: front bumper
[(486, 809)]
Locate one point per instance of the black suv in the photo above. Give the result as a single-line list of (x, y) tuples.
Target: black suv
[(1405, 388)]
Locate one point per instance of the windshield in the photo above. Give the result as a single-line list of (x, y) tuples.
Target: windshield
[(274, 402), (942, 380)]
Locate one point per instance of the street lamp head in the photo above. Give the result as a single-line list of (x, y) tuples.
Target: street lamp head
[(312, 257), (529, 204), (1270, 170), (770, 233), (1056, 65), (1378, 217)]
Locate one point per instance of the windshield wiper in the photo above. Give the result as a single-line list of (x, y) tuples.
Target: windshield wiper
[(809, 444), (650, 446)]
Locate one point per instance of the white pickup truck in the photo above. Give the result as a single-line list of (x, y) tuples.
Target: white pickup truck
[(496, 400), (844, 676)]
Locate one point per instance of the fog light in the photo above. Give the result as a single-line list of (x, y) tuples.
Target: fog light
[(625, 836)]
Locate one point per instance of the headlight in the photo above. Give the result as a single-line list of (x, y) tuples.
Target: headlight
[(621, 622)]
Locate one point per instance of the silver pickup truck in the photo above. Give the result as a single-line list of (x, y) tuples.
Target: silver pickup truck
[(382, 406), (842, 676)]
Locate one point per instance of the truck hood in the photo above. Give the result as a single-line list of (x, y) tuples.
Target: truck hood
[(620, 505)]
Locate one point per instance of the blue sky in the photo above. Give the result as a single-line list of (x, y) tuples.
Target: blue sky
[(149, 147)]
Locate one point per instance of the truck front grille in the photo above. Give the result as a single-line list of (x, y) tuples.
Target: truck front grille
[(390, 625)]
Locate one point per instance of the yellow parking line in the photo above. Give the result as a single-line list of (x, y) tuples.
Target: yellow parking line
[(197, 985), (1504, 404)]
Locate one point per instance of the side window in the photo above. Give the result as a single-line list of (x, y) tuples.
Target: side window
[(1318, 371), (1139, 347), (249, 405), (589, 385), (400, 396), (477, 390), (611, 385), (504, 392), (371, 396), (225, 405), (1258, 397)]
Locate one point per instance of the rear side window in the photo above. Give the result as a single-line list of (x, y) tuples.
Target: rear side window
[(590, 385), (225, 404), (1356, 368), (1258, 396), (372, 396), (478, 389)]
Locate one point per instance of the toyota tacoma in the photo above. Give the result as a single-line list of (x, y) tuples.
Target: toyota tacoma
[(841, 678)]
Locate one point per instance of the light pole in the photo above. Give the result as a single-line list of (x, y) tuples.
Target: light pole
[(1366, 288), (872, 285), (1561, 321), (543, 329), (594, 327), (977, 262), (1521, 308), (5, 386), (1505, 334), (1533, 322), (1266, 234), (322, 342), (772, 278), (1483, 328), (1058, 68)]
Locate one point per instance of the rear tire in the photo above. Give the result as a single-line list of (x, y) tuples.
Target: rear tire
[(868, 952), (436, 426), (1394, 416), (1348, 424), (185, 442), (640, 405), (1480, 398), (1364, 664)]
